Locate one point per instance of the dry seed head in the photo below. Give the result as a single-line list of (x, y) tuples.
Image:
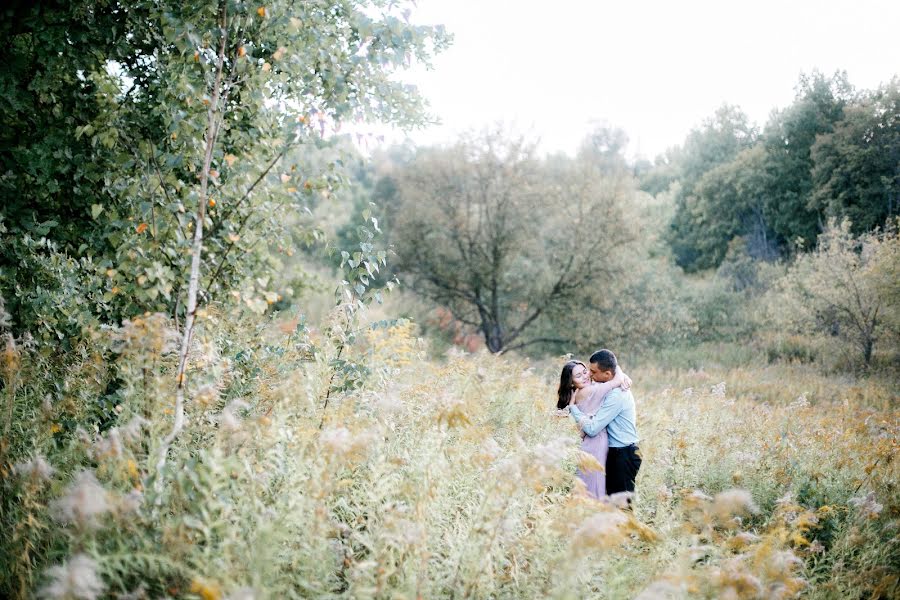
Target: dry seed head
[(588, 463), (228, 420), (131, 432), (491, 448), (731, 503), (342, 442), (38, 469), (662, 590), (867, 506), (130, 502), (621, 499), (109, 445), (244, 593), (76, 578), (85, 501), (207, 395), (601, 530)]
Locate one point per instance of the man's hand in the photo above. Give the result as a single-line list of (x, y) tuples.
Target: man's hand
[(622, 379)]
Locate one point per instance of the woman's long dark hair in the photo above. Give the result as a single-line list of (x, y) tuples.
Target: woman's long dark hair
[(566, 388)]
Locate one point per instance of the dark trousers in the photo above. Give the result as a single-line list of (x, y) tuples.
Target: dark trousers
[(622, 465)]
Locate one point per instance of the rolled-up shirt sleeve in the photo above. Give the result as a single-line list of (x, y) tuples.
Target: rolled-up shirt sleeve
[(592, 425)]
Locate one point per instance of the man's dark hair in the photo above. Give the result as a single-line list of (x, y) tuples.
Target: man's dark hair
[(605, 359)]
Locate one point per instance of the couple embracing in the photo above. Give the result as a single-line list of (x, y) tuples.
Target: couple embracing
[(599, 399)]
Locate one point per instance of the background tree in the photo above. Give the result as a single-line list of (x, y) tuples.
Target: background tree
[(129, 127), (788, 139), (503, 240), (717, 142), (845, 289), (856, 167)]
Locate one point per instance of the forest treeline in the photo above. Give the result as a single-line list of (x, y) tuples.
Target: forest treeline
[(834, 153), (724, 238)]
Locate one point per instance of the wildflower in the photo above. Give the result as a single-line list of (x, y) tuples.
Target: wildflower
[(602, 529), (552, 453), (389, 404), (733, 503), (207, 395), (491, 447), (510, 468), (661, 590), (621, 499), (38, 469), (131, 432), (228, 420), (742, 540), (800, 402), (131, 502), (785, 500), (588, 463), (341, 442), (84, 502), (664, 493), (77, 578), (207, 590), (244, 593), (454, 414), (718, 390), (109, 445), (867, 506), (696, 499)]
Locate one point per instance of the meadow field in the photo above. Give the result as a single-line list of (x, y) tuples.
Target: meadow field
[(264, 334), (449, 478)]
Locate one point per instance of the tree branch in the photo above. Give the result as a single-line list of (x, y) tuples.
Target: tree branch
[(212, 130)]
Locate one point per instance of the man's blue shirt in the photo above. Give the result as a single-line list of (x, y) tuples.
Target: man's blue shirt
[(617, 414)]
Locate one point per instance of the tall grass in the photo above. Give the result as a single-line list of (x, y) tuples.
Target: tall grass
[(425, 479)]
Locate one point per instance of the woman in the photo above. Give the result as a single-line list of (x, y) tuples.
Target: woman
[(575, 385)]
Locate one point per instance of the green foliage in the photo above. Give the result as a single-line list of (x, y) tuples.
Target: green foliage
[(855, 167), (409, 487), (717, 142), (108, 122), (831, 154), (788, 139), (507, 243), (845, 289)]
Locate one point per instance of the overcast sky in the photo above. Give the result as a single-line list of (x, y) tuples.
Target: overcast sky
[(655, 68)]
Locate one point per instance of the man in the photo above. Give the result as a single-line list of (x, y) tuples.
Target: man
[(617, 415)]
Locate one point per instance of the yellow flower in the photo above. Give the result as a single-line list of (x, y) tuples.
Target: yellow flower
[(208, 590)]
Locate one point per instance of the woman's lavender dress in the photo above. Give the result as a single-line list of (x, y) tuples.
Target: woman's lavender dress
[(597, 446)]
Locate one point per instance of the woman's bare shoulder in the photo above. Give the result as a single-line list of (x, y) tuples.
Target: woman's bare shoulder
[(583, 393)]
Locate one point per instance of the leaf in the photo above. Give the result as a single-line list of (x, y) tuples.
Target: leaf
[(96, 209)]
